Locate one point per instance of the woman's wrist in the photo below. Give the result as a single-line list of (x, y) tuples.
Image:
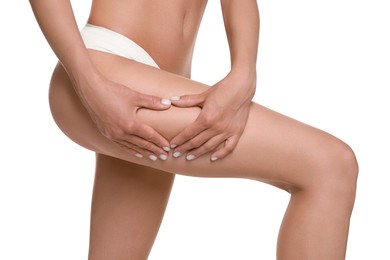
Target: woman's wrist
[(245, 74), (85, 79), (83, 74), (238, 87), (243, 79)]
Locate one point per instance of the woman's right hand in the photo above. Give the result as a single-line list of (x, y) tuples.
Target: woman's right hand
[(113, 108)]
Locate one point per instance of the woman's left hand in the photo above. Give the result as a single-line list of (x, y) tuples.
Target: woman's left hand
[(218, 128)]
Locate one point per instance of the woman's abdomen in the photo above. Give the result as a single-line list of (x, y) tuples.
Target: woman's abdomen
[(165, 29)]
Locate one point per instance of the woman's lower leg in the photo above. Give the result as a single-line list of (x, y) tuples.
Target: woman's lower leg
[(127, 208), (316, 222)]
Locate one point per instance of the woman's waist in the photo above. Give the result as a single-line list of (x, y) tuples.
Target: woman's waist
[(168, 49), (167, 33)]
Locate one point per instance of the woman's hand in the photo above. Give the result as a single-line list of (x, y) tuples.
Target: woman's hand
[(113, 108), (218, 128)]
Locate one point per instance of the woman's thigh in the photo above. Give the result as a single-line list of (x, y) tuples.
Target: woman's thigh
[(273, 148)]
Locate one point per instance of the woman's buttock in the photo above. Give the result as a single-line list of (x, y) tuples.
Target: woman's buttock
[(120, 60), (74, 120)]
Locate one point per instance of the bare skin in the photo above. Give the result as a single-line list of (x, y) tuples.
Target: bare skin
[(319, 170)]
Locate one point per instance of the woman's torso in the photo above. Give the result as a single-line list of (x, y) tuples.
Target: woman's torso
[(166, 29)]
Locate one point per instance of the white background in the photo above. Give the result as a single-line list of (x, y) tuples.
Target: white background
[(326, 63)]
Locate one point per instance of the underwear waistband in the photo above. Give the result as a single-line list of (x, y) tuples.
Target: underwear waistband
[(105, 40)]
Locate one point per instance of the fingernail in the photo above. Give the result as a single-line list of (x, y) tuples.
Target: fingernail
[(214, 158), (166, 102), (163, 157), (176, 154), (190, 157), (173, 146), (152, 157), (139, 155), (175, 98), (166, 148)]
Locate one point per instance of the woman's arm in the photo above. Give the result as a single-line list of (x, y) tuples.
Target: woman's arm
[(242, 22), (225, 106), (57, 22), (112, 106)]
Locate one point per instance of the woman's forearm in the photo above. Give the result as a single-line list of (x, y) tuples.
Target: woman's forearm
[(57, 22), (241, 18)]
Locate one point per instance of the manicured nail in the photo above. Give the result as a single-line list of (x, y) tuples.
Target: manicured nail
[(166, 148), (190, 157), (163, 157), (152, 157), (173, 146), (214, 158), (176, 154), (139, 155), (175, 98), (166, 102)]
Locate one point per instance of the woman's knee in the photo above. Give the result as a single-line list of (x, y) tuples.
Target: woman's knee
[(337, 172)]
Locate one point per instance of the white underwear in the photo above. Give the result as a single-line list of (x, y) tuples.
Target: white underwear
[(102, 39)]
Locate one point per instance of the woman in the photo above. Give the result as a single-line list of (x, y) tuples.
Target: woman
[(122, 90)]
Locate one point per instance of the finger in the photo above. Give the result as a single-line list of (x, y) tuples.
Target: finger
[(153, 102), (128, 148), (207, 147), (188, 100), (138, 152), (188, 133), (149, 139), (226, 149), (193, 143), (149, 150)]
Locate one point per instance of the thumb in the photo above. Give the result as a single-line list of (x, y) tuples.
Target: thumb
[(153, 102), (188, 100)]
